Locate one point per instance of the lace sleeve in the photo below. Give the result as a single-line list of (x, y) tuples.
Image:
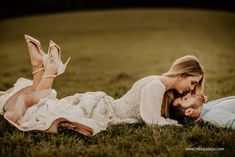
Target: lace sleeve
[(151, 102)]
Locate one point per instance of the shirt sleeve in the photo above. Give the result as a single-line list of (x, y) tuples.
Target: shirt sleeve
[(220, 117), (151, 102), (231, 123)]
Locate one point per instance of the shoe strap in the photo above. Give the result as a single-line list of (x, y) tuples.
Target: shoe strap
[(49, 76), (36, 71)]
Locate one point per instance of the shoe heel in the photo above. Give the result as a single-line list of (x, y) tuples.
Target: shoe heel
[(62, 67), (65, 64)]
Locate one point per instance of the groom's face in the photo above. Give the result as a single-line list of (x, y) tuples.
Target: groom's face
[(185, 101), (191, 104)]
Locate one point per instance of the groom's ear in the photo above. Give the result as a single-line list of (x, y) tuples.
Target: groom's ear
[(188, 112)]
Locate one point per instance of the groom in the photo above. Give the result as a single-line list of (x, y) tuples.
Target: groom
[(220, 112)]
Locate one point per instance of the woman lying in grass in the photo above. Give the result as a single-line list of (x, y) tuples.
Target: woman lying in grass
[(32, 104), (220, 112)]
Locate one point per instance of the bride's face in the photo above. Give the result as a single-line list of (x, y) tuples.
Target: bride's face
[(188, 83)]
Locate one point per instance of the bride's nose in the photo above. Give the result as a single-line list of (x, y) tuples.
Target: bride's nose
[(188, 95), (192, 86)]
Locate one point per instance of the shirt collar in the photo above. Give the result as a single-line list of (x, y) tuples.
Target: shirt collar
[(204, 111)]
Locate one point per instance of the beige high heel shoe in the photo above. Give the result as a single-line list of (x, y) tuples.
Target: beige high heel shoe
[(62, 67), (38, 45)]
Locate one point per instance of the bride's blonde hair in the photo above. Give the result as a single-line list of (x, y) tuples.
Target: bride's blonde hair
[(184, 66)]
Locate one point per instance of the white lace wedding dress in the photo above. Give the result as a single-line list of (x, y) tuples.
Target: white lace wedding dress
[(94, 109)]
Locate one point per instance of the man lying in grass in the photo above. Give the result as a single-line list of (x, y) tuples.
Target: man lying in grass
[(220, 112)]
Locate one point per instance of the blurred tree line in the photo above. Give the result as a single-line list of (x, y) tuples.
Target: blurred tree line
[(13, 8)]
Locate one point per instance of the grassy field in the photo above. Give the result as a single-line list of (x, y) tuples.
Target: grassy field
[(111, 50)]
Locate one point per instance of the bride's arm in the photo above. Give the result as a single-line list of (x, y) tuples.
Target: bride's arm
[(151, 102)]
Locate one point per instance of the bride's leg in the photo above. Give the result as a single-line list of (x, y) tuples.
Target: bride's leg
[(43, 89), (38, 70), (36, 58), (50, 71), (25, 101)]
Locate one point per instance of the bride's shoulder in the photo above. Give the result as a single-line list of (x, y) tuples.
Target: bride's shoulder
[(150, 78), (145, 80)]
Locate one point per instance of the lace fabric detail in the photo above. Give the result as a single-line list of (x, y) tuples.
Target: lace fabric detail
[(92, 109), (128, 106)]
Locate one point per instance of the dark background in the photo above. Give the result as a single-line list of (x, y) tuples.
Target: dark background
[(15, 8)]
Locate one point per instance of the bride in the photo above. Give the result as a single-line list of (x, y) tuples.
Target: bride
[(33, 104)]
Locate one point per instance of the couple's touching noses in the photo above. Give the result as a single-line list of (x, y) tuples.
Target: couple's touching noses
[(33, 104), (220, 112)]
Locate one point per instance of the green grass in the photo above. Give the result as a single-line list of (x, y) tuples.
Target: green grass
[(111, 50)]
